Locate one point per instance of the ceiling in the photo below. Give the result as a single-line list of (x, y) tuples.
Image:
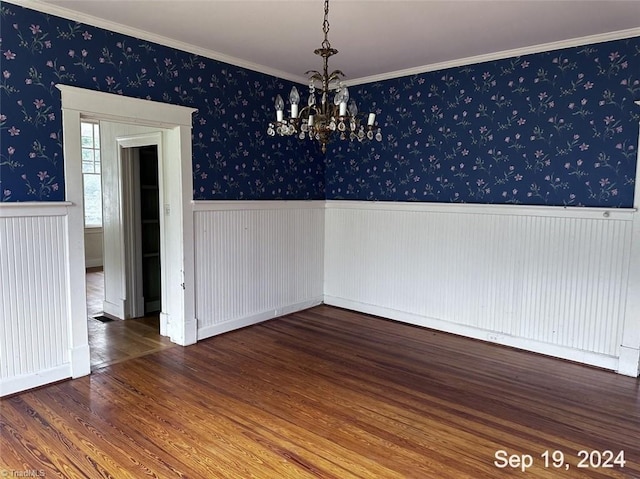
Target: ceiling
[(375, 38)]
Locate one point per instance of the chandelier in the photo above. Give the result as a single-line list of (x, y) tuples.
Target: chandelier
[(319, 121)]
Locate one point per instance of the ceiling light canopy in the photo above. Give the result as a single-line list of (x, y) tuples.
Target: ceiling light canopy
[(320, 120)]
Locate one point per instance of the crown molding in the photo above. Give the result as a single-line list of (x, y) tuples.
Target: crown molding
[(68, 14), (541, 48), (43, 7)]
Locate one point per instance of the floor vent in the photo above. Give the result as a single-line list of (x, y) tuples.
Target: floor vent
[(103, 319)]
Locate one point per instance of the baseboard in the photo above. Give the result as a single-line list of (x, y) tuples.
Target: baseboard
[(153, 305), (80, 361), (113, 309), (182, 333), (562, 352), (29, 381), (213, 330), (93, 262), (629, 362), (164, 324)]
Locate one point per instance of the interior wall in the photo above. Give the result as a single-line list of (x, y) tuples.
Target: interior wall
[(34, 339), (256, 261), (550, 280), (233, 157), (93, 257), (554, 128)]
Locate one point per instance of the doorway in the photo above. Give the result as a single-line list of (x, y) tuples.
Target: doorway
[(142, 229), (177, 320), (133, 203), (112, 340), (135, 242), (149, 224)]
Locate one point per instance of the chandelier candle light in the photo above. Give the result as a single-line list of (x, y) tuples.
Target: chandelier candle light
[(318, 121)]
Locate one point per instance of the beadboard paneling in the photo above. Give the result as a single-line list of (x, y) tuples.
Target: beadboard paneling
[(551, 280), (256, 261), (34, 337)]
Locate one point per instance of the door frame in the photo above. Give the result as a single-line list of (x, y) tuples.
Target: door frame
[(179, 316), (129, 182)]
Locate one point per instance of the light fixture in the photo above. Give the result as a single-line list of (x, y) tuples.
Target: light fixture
[(320, 120)]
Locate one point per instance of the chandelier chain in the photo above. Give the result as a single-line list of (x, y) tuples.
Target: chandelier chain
[(325, 26)]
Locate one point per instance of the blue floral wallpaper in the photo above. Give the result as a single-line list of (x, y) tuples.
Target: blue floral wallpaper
[(557, 128), (233, 158)]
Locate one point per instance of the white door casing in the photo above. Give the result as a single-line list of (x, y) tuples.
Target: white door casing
[(178, 269), (629, 363), (122, 255)]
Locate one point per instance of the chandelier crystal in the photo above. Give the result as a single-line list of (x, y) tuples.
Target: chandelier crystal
[(320, 120)]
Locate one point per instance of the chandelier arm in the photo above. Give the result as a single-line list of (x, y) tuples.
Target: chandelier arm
[(306, 110)]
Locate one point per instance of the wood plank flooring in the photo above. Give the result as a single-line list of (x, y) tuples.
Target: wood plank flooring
[(95, 290), (325, 393), (118, 340)]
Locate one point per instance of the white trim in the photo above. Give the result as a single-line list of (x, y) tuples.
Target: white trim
[(155, 38), (225, 205), (34, 208), (237, 323), (41, 6), (636, 191), (625, 214), (111, 107), (137, 141), (585, 357), (114, 309), (516, 52), (76, 296), (77, 358), (130, 165), (77, 102), (17, 384), (629, 363), (93, 263)]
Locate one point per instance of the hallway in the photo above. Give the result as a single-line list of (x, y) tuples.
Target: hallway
[(115, 341)]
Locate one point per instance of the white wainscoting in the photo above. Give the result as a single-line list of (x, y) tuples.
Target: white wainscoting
[(256, 260), (93, 256), (546, 279), (34, 312), (563, 282)]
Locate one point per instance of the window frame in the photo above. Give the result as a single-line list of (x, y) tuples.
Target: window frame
[(97, 167)]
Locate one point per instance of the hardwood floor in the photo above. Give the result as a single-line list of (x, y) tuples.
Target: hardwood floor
[(95, 290), (118, 340), (326, 393)]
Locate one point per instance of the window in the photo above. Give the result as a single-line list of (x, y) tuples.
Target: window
[(90, 137)]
